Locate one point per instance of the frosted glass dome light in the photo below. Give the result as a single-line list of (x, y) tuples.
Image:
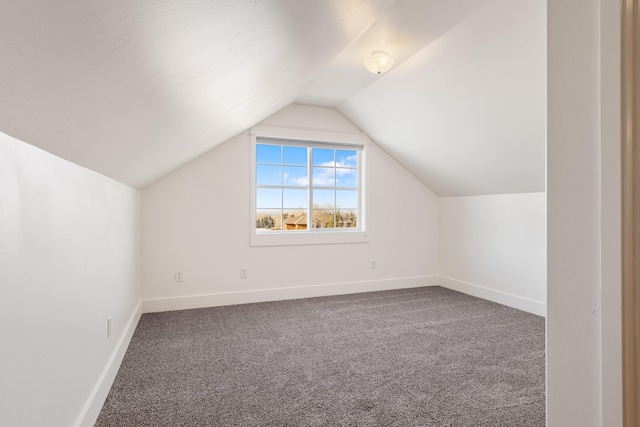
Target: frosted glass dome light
[(379, 62)]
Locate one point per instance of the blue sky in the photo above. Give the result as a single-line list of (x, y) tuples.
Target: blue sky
[(287, 165)]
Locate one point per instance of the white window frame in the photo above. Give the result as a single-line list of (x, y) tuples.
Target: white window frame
[(311, 237)]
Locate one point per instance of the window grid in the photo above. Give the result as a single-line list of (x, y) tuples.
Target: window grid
[(353, 212)]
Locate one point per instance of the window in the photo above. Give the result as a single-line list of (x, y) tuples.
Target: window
[(307, 192)]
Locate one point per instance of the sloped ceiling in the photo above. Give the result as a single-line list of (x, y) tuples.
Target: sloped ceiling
[(136, 89), (467, 114), (404, 29)]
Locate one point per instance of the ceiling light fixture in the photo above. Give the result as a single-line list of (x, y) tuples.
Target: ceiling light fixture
[(379, 62)]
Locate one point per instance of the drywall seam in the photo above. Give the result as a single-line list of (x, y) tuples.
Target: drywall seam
[(278, 294), (94, 403), (504, 298)]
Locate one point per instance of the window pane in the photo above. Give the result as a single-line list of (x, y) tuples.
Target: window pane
[(347, 158), (323, 157), (296, 175), (268, 175), (289, 177), (346, 199), (346, 177), (295, 156), (297, 199), (323, 199), (295, 220), (324, 177), (268, 198), (323, 218), (268, 153), (268, 220), (346, 219)]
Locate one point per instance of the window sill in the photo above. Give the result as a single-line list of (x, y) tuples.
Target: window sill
[(306, 238)]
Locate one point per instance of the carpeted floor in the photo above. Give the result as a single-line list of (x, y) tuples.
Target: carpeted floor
[(416, 357)]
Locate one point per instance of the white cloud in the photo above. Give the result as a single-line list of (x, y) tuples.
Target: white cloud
[(325, 177), (296, 180)]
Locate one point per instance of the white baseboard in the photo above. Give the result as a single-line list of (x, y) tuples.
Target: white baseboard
[(278, 294), (92, 408), (510, 300), (154, 305)]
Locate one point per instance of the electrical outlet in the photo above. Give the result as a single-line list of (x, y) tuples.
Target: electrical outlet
[(109, 327), (244, 272), (374, 264), (179, 276)]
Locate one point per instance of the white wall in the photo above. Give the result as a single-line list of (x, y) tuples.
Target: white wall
[(583, 211), (69, 258), (573, 333), (610, 219), (197, 220), (494, 247)]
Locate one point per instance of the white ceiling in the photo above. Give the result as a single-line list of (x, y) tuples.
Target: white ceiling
[(405, 28), (467, 114), (135, 89)]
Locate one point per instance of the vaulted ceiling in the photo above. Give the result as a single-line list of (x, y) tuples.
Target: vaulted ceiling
[(135, 89)]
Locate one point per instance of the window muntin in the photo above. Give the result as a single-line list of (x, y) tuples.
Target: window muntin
[(297, 180)]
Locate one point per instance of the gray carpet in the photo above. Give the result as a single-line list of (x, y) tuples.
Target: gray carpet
[(416, 357)]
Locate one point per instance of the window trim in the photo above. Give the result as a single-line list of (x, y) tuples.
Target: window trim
[(317, 237)]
